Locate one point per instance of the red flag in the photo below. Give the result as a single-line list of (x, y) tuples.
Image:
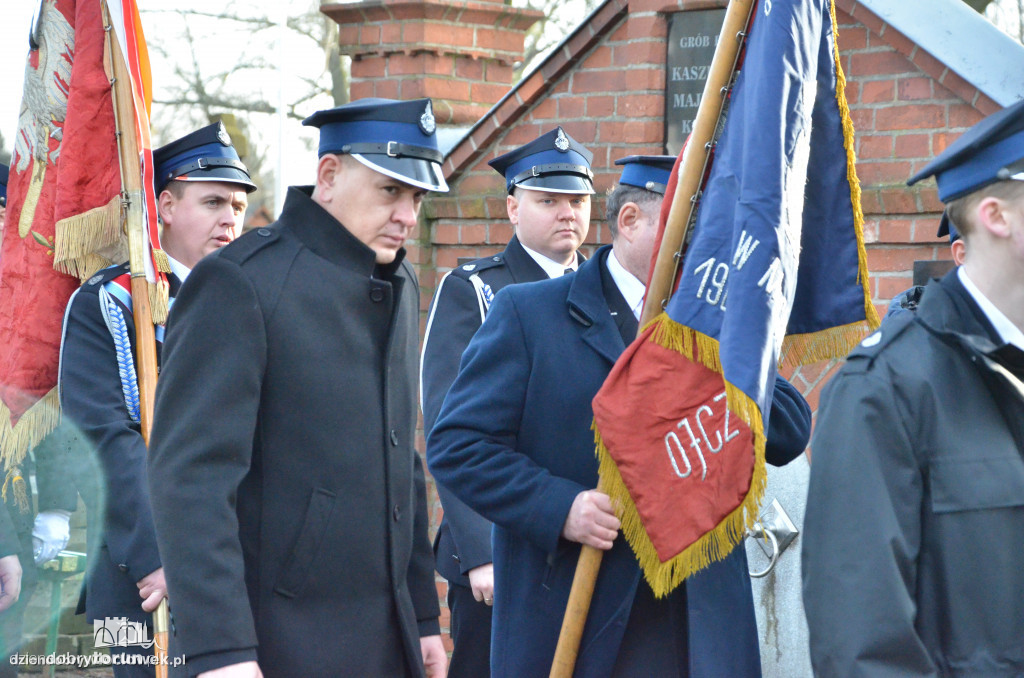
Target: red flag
[(64, 212)]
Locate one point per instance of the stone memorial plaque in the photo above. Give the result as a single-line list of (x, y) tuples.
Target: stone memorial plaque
[(692, 38)]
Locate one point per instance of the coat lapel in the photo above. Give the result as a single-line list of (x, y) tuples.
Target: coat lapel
[(588, 307)]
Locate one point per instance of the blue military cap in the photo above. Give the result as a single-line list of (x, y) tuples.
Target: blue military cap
[(552, 162), (396, 138), (203, 155), (991, 151), (4, 173), (650, 172), (946, 227)]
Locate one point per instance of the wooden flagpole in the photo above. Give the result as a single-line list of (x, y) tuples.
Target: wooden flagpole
[(691, 174), (132, 200)]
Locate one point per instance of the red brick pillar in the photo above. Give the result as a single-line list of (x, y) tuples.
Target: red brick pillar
[(460, 54)]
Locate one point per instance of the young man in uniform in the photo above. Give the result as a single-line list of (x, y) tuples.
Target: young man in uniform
[(289, 500), (201, 186), (514, 442), (912, 563), (549, 184)]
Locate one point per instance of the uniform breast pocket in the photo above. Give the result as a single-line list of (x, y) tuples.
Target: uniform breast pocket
[(296, 571), (977, 484)]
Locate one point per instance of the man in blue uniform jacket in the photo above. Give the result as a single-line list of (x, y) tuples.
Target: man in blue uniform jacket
[(549, 185), (514, 442), (912, 562), (288, 496), (201, 186)]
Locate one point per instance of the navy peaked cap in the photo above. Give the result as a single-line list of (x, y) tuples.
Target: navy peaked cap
[(946, 227), (552, 162), (204, 155), (395, 138), (991, 151), (650, 172)]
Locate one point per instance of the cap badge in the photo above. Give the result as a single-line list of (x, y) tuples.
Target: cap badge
[(561, 141), (427, 122), (222, 135)]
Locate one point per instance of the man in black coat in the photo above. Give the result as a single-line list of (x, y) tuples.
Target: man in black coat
[(912, 563), (288, 497), (201, 186), (549, 183)]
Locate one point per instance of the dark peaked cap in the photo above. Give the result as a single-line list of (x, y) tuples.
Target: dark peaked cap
[(553, 162), (991, 151), (396, 138), (204, 155), (650, 172)]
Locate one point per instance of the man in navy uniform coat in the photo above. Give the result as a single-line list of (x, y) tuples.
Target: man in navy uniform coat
[(201, 186), (912, 561), (549, 183), (288, 496), (513, 441)]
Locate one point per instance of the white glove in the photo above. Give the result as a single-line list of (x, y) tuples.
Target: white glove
[(50, 534)]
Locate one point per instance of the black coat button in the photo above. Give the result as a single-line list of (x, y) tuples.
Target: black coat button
[(264, 232), (394, 437), (122, 567), (397, 513), (376, 295)]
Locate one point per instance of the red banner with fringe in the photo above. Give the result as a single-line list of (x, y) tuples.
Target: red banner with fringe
[(64, 211)]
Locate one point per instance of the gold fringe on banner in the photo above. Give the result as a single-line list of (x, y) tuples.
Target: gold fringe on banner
[(836, 342), (79, 239), (37, 422), (870, 313), (715, 545)]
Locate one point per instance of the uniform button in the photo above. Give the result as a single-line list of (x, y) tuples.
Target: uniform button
[(394, 437), (264, 232), (495, 258), (397, 513), (122, 567), (376, 295)]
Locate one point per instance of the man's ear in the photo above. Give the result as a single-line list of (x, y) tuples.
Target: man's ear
[(328, 169), (165, 204), (990, 214), (628, 221), (959, 249), (512, 207)]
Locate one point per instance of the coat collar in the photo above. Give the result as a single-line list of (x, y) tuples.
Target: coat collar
[(588, 307), (327, 237), (948, 311), (521, 266)]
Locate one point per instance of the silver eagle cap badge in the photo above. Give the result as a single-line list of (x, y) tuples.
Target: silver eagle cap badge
[(427, 122), (562, 141)]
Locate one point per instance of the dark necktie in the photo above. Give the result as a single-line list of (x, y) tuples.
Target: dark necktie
[(567, 271)]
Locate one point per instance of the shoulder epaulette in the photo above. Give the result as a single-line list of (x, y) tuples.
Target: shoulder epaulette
[(867, 350), (249, 243), (466, 270), (107, 274)]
